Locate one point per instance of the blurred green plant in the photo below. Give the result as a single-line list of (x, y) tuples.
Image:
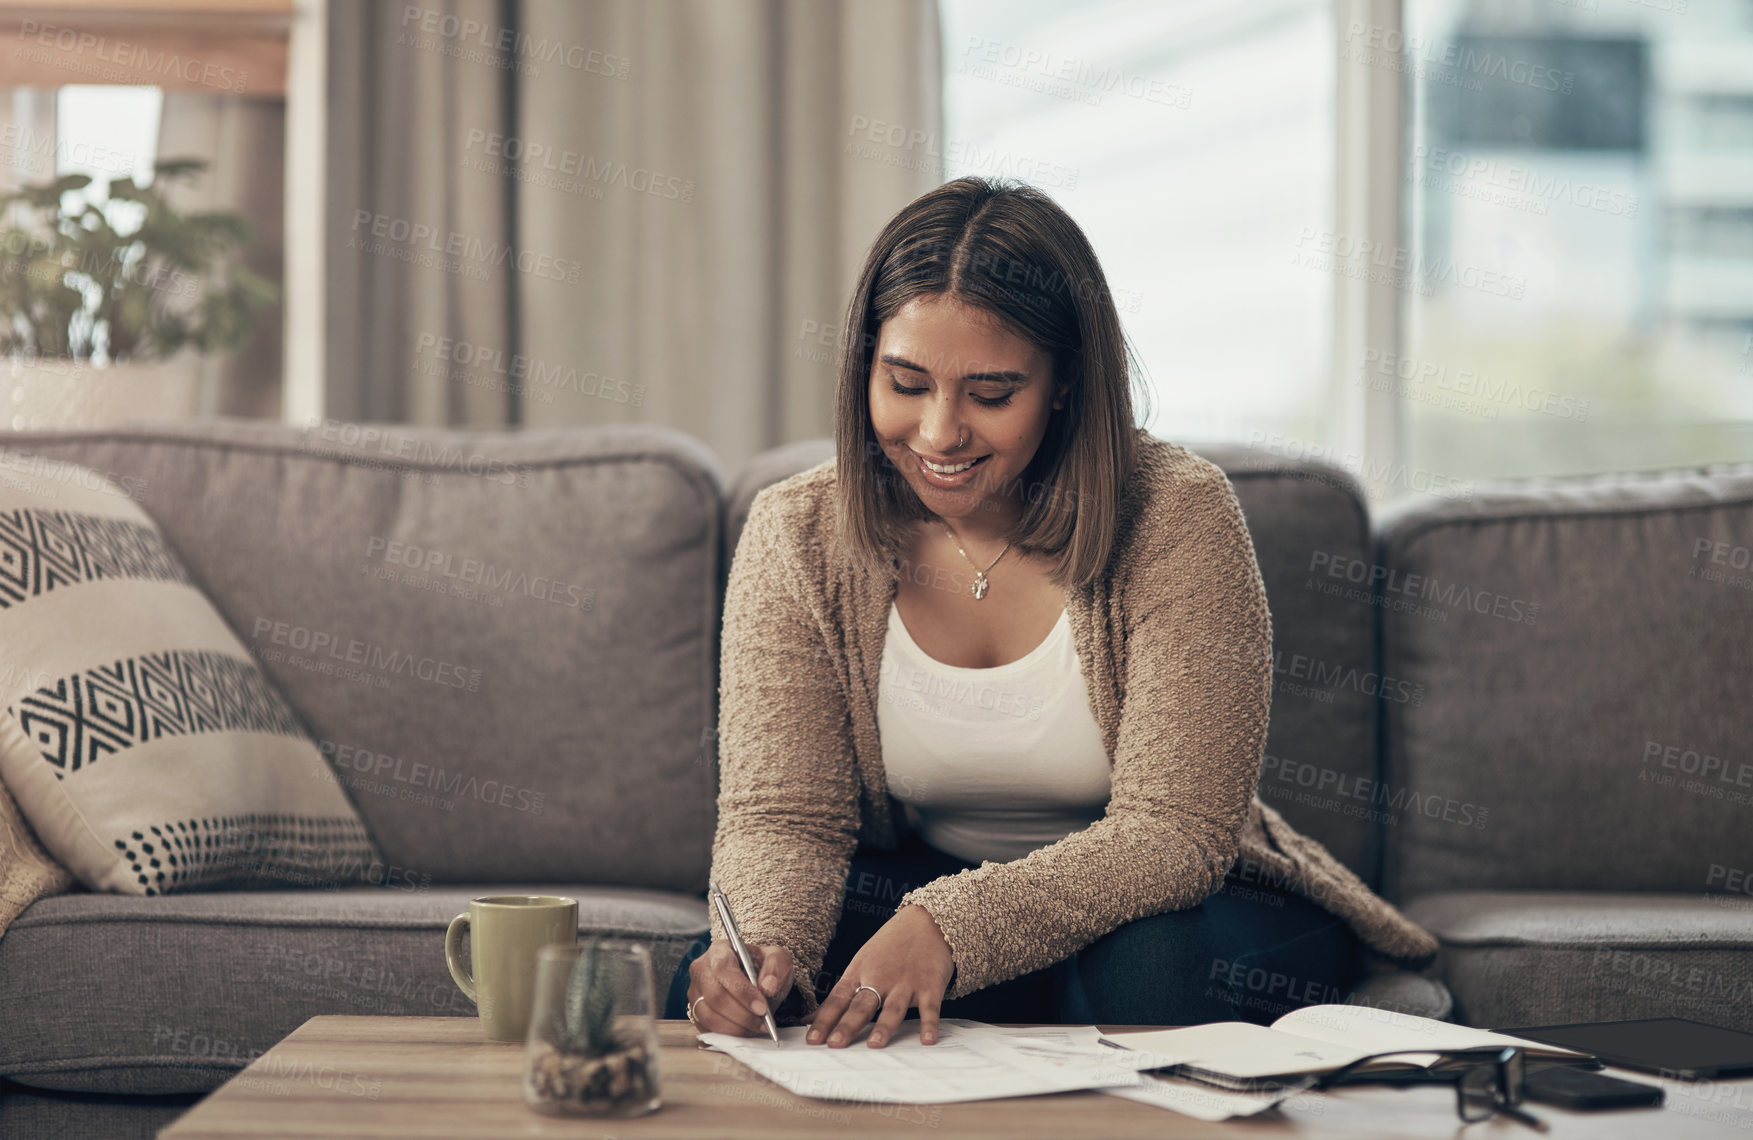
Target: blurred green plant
[(127, 279)]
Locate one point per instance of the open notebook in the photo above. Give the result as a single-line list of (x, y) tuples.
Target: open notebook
[(1315, 1040)]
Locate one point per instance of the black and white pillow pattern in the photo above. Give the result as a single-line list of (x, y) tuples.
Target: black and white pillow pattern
[(145, 747)]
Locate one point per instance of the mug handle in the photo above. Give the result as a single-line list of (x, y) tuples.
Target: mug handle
[(453, 939)]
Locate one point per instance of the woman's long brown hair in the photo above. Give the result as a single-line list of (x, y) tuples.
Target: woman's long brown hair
[(1013, 252)]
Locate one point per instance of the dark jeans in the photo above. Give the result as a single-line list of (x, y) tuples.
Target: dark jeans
[(1247, 953)]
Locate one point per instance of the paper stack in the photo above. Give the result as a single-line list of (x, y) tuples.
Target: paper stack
[(1213, 1070), (975, 1061)]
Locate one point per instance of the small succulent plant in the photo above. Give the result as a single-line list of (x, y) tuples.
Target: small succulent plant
[(590, 1004), (585, 1064)]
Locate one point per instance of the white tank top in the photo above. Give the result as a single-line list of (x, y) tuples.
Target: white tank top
[(991, 763)]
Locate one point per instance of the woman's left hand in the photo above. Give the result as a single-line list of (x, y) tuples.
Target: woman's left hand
[(909, 963)]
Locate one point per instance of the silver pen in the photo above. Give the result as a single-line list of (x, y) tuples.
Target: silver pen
[(729, 922)]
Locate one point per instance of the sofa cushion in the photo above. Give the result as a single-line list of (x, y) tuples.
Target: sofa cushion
[(505, 643), (762, 471), (119, 994), (1320, 768), (1524, 958), (1319, 771), (137, 734), (34, 1114), (1404, 991), (1584, 647)]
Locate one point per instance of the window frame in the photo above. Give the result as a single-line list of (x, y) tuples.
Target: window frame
[(1369, 204)]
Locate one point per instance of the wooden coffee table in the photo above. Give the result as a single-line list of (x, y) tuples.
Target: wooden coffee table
[(436, 1077)]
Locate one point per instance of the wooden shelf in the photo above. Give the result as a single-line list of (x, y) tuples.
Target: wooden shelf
[(220, 47), (68, 9)]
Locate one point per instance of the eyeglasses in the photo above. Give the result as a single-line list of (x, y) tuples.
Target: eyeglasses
[(1488, 1081), (1493, 1086)]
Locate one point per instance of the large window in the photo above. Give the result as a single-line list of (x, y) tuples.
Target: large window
[(107, 132), (1576, 216), (1600, 157), (1193, 143)]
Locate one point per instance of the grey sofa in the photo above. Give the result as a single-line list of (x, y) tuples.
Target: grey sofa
[(1483, 771)]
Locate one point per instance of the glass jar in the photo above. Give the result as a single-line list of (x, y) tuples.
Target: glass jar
[(592, 1046)]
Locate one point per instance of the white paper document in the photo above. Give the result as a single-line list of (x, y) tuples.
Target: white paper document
[(1241, 1050), (970, 1061), (1055, 1044), (1372, 1030), (976, 1061), (1064, 1044), (1317, 1039), (1201, 1102)]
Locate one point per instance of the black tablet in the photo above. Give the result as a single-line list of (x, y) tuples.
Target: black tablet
[(1667, 1046)]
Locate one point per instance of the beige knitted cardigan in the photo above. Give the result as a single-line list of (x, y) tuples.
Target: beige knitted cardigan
[(801, 771)]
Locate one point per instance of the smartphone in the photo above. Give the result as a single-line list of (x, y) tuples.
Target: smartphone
[(1585, 1091)]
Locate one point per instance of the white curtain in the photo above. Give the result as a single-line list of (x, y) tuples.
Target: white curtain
[(243, 142), (633, 210), (27, 121)]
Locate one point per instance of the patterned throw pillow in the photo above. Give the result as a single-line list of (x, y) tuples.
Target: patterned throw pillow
[(143, 744)]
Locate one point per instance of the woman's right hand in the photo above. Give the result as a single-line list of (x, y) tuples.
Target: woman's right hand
[(721, 995)]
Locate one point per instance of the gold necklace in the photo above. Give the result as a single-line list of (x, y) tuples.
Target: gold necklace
[(981, 585)]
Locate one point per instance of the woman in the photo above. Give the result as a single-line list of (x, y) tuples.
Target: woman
[(996, 682)]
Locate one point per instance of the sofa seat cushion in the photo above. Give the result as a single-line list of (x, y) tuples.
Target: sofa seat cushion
[(122, 994), (1552, 957), (37, 1114), (1404, 991)]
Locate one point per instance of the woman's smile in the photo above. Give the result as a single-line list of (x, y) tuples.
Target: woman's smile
[(949, 474)]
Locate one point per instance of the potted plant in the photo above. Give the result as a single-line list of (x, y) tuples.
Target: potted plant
[(593, 1043), (107, 302)]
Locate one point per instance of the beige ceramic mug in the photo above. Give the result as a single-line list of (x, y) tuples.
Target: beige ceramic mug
[(505, 931)]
